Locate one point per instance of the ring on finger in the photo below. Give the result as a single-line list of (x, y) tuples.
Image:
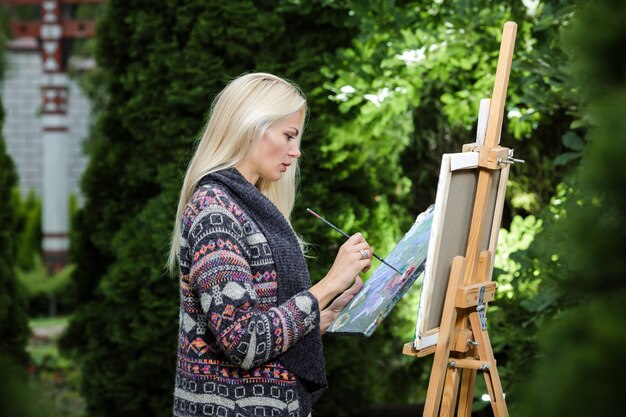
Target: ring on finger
[(364, 253)]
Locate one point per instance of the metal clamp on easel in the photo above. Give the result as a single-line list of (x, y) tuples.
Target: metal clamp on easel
[(482, 309), (510, 160)]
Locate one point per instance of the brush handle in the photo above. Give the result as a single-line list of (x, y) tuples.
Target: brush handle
[(348, 236), (385, 262)]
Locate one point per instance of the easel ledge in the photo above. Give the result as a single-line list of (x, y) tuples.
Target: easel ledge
[(463, 346)]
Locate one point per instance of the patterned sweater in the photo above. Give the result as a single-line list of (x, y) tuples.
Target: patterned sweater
[(231, 328)]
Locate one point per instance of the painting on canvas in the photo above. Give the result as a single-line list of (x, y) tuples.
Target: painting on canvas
[(385, 287)]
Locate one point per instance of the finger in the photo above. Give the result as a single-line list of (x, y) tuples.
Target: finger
[(363, 247), (366, 265), (349, 294), (354, 240), (369, 248), (357, 238), (356, 286)]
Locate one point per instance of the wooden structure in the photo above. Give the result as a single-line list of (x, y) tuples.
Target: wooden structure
[(54, 29), (463, 347)]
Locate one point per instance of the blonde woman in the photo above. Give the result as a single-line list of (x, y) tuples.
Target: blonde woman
[(250, 322)]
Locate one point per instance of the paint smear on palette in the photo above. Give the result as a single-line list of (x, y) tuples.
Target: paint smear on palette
[(364, 313)]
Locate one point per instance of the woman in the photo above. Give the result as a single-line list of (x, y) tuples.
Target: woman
[(250, 322)]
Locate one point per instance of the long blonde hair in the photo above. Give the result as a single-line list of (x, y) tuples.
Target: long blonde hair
[(239, 114)]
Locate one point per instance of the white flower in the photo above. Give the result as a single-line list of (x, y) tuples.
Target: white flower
[(378, 98), (531, 6), (347, 89), (514, 114), (413, 56), (436, 46)]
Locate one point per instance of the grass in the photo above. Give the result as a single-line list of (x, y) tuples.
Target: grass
[(38, 322)]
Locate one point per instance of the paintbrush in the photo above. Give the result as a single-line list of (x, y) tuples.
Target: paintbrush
[(348, 236)]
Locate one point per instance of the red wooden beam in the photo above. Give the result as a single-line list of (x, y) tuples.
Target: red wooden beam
[(79, 28), (21, 2), (71, 29), (38, 2), (19, 29)]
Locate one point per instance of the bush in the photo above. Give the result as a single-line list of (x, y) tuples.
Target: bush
[(578, 374), (13, 319), (48, 295), (29, 232)]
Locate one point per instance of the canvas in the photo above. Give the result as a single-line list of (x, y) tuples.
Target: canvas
[(454, 204), (381, 292)]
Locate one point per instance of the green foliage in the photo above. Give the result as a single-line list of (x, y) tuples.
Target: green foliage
[(412, 83), (14, 329), (575, 145), (18, 396), (576, 374), (47, 294), (521, 234), (13, 319), (528, 292), (56, 377), (410, 86), (29, 233), (37, 282), (4, 34)]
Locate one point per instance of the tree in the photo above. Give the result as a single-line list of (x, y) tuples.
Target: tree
[(410, 84), (577, 374), (14, 330)]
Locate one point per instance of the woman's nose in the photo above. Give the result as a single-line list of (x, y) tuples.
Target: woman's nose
[(294, 151)]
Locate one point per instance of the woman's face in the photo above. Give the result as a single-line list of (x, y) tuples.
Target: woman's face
[(271, 156)]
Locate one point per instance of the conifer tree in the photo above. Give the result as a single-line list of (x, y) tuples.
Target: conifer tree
[(579, 374), (14, 329)]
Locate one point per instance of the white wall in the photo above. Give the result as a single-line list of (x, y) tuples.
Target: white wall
[(22, 131)]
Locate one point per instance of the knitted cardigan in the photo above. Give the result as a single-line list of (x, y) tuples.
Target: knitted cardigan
[(239, 317)]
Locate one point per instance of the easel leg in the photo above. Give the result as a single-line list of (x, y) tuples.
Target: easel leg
[(450, 391), (446, 333), (485, 353), (466, 397)]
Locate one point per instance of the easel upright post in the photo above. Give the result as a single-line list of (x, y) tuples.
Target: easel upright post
[(463, 345)]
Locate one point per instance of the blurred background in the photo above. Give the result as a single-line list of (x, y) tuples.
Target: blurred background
[(102, 102)]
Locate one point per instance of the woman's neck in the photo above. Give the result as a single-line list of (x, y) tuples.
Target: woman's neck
[(248, 173)]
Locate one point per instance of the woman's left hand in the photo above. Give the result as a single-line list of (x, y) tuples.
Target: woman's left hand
[(330, 313)]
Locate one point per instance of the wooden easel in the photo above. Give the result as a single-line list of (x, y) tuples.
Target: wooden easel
[(463, 345)]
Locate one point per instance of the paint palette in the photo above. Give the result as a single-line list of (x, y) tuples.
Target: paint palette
[(380, 293)]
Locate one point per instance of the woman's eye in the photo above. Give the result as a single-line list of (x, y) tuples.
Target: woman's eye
[(289, 137)]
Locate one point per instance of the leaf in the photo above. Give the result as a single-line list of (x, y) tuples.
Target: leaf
[(566, 157), (572, 141), (546, 298)]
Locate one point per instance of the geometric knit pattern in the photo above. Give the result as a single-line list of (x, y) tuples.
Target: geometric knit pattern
[(231, 329)]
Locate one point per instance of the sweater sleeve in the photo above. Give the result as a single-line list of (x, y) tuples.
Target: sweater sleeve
[(221, 274)]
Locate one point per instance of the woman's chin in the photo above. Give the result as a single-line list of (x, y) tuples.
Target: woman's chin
[(273, 177)]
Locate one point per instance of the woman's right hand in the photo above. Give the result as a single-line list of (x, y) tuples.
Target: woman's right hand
[(350, 262)]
